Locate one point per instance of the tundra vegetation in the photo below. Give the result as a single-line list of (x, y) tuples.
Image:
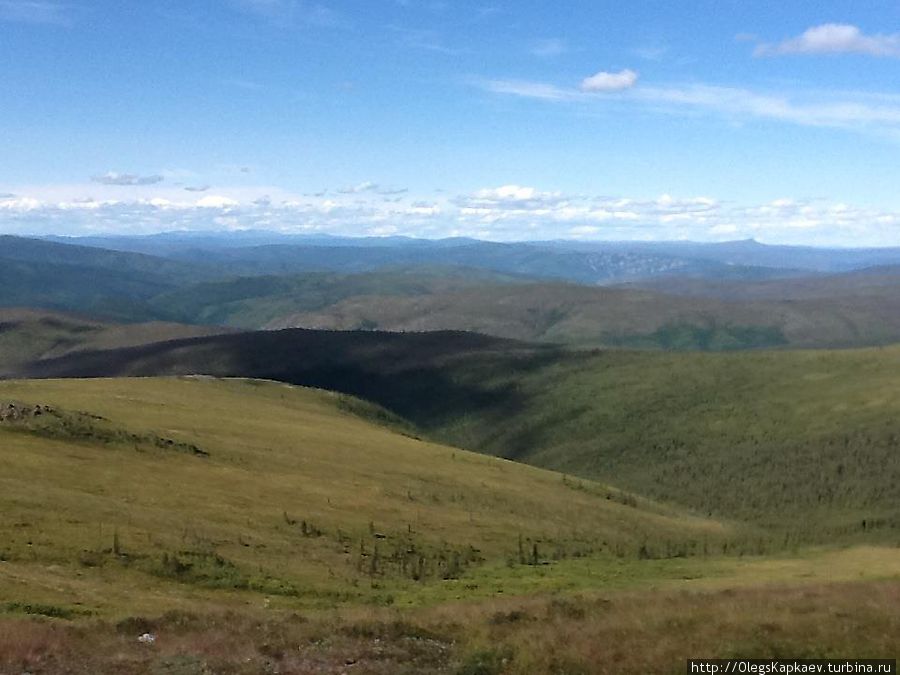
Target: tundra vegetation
[(255, 526)]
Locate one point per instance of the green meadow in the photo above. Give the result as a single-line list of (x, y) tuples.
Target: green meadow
[(254, 526)]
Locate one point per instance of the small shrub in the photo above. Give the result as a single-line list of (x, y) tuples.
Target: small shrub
[(514, 616), (485, 662), (52, 611)]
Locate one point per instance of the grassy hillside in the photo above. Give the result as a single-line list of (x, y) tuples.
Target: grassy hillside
[(171, 489), (802, 443), (28, 334), (257, 527)]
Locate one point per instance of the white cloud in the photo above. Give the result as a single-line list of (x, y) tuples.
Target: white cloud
[(835, 38), (13, 203), (217, 202), (115, 178), (507, 198), (507, 212), (604, 81)]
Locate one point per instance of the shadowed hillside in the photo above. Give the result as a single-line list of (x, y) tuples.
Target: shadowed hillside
[(28, 334), (414, 375), (704, 431)]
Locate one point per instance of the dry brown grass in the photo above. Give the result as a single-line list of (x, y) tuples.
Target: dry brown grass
[(625, 632), (657, 632)]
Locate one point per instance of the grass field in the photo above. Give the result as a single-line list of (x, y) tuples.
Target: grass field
[(260, 527), (294, 494)]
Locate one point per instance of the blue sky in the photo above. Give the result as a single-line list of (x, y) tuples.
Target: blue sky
[(491, 118)]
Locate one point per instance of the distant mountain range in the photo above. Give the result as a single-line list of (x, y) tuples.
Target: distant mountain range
[(674, 295), (255, 253), (678, 254)]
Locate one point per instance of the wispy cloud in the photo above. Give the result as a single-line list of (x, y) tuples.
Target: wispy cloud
[(366, 186), (549, 47), (33, 11), (835, 38), (600, 83), (651, 53), (852, 111), (291, 13), (842, 111), (115, 178), (426, 39), (528, 89)]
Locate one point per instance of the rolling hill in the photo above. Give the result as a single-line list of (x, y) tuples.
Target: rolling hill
[(707, 432), (110, 284), (871, 281), (619, 317), (560, 313), (244, 526), (169, 490), (696, 315), (666, 312), (440, 298), (252, 302), (29, 334)]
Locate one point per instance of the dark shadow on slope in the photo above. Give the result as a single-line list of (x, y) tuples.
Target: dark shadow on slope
[(427, 378)]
